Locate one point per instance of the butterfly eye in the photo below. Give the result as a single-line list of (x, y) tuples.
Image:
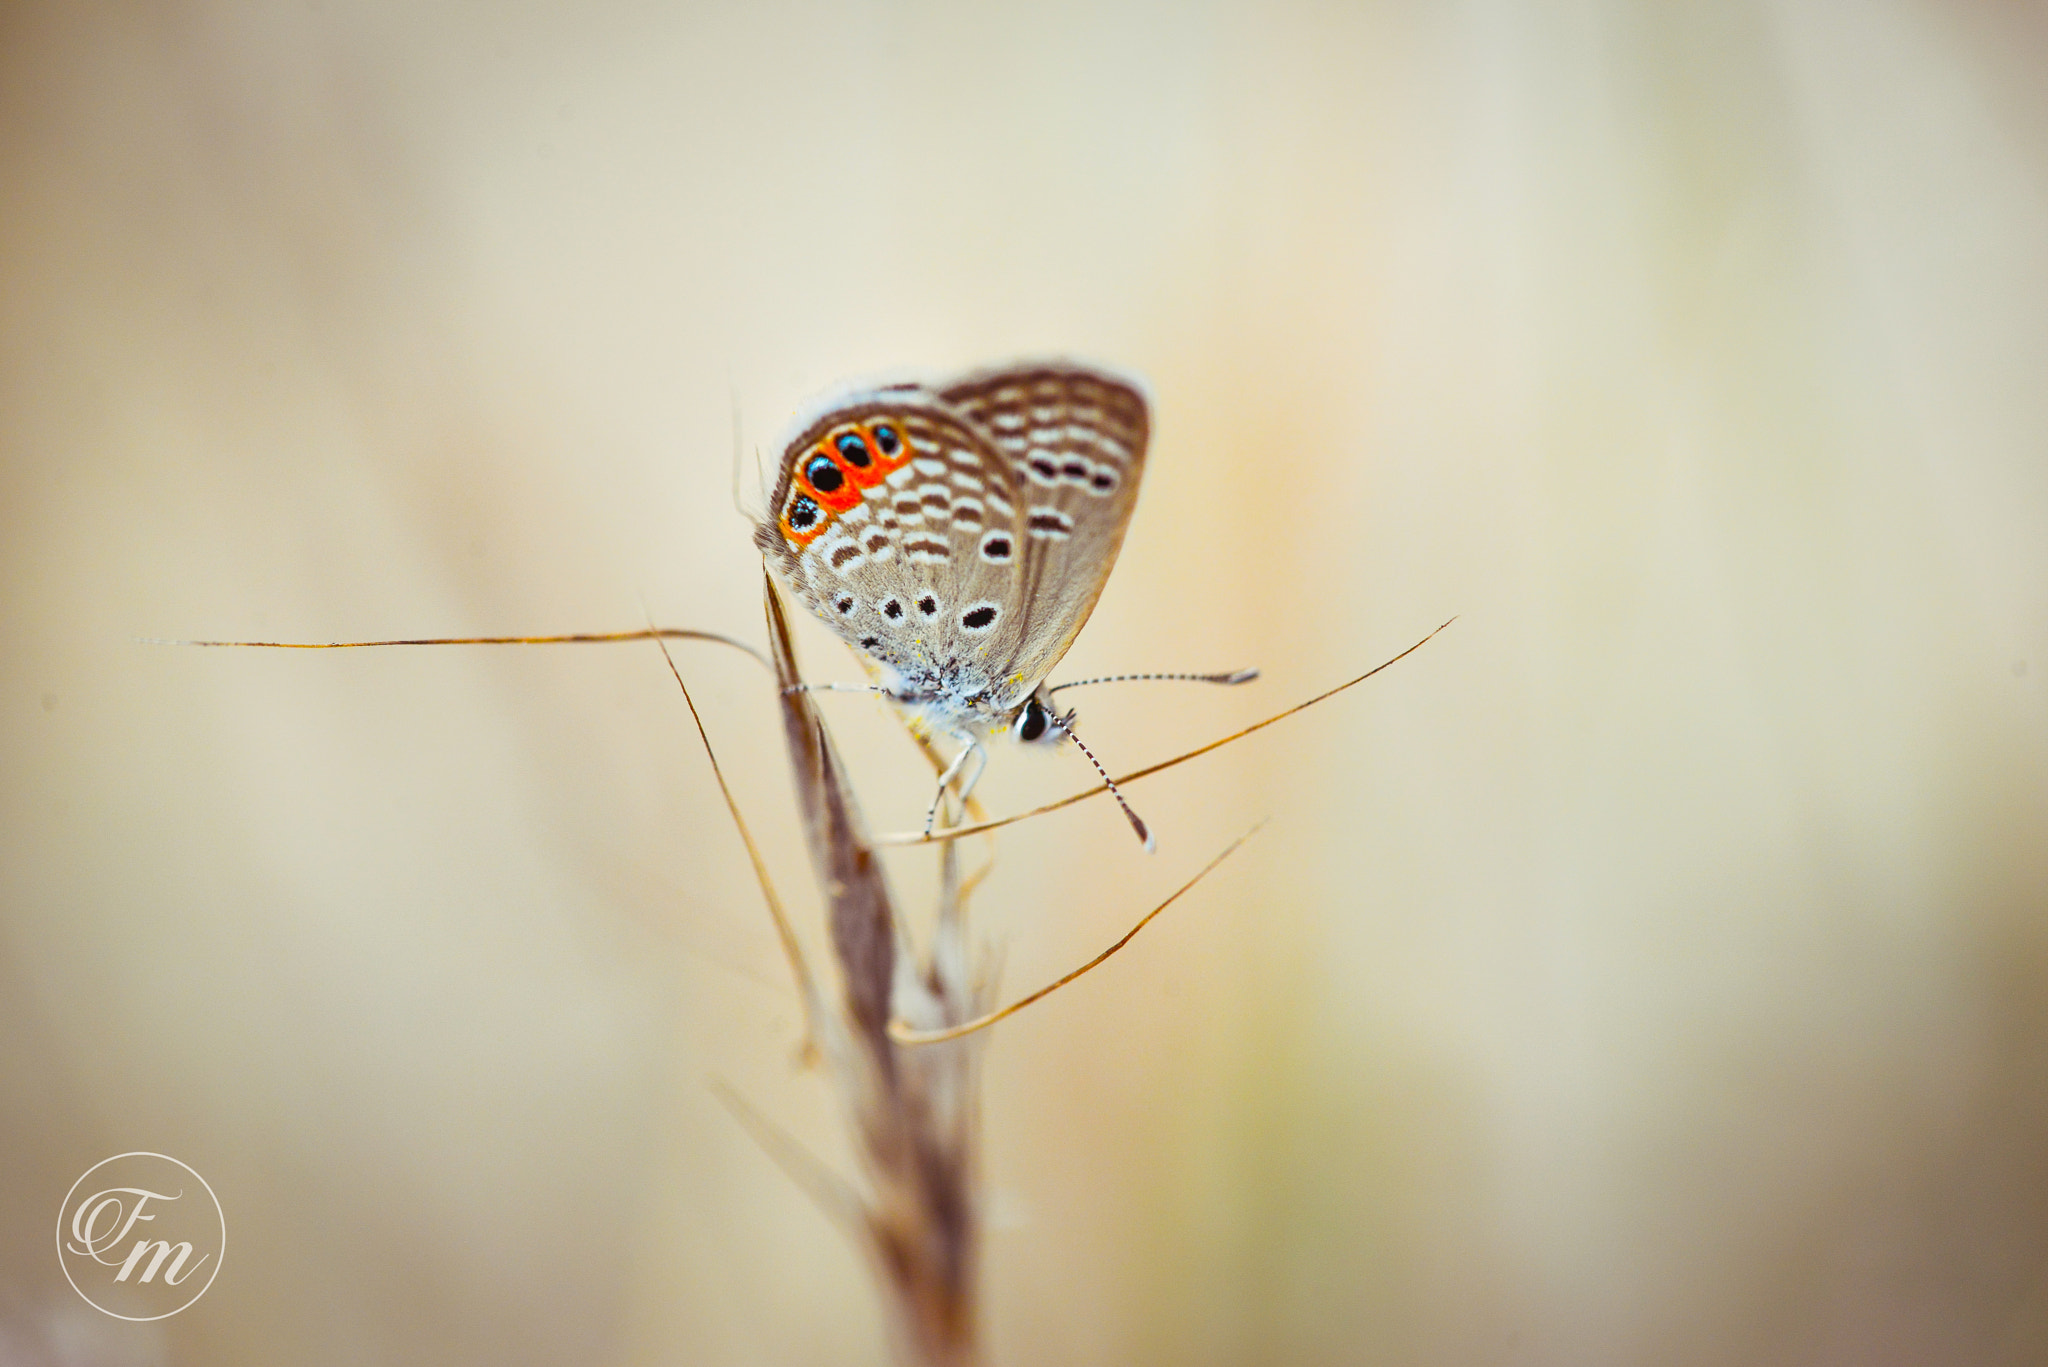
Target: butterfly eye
[(825, 476), (1032, 724), (887, 440), (853, 450)]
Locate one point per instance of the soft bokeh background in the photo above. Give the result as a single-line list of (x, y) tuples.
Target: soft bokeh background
[(1652, 969)]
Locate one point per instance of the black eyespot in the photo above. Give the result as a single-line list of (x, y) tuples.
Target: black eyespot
[(869, 642), (892, 609), (1103, 480), (927, 605), (803, 514), (886, 438), (1074, 469), (1034, 723), (1044, 468), (845, 605), (852, 449), (824, 476), (996, 548), (978, 619)]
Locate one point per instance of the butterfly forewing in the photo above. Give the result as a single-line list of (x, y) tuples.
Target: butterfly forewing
[(1075, 438), (960, 533)]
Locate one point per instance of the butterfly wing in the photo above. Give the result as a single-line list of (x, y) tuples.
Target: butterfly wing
[(1073, 438), (899, 523)]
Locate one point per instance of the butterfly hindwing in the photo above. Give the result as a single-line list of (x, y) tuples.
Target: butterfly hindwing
[(915, 559)]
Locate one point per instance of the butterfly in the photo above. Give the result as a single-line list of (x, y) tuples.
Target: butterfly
[(957, 534)]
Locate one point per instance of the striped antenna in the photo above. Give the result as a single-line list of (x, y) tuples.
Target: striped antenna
[(1066, 724), (1235, 677)]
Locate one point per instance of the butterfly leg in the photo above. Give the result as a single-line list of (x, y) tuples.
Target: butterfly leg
[(970, 746), (831, 688)]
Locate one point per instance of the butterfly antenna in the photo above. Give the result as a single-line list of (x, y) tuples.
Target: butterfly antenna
[(1144, 834), (1235, 677)]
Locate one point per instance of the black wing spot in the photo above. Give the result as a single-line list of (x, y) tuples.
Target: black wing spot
[(1103, 481), (845, 605), (1044, 468), (927, 605), (869, 642), (1075, 469), (995, 548), (979, 619), (803, 514), (852, 450), (892, 609), (886, 438), (825, 477)]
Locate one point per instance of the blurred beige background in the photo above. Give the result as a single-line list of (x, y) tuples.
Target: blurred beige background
[(1653, 969)]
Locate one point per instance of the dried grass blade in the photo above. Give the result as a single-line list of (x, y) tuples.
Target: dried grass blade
[(807, 987), (904, 1034), (574, 638), (956, 832), (834, 1195)]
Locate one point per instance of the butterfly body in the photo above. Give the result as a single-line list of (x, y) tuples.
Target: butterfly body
[(958, 533)]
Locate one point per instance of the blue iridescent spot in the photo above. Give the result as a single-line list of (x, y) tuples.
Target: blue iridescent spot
[(852, 450)]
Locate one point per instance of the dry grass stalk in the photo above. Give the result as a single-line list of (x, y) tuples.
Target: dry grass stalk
[(903, 1051), (914, 1111)]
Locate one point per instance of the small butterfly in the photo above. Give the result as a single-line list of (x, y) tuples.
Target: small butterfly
[(958, 534)]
